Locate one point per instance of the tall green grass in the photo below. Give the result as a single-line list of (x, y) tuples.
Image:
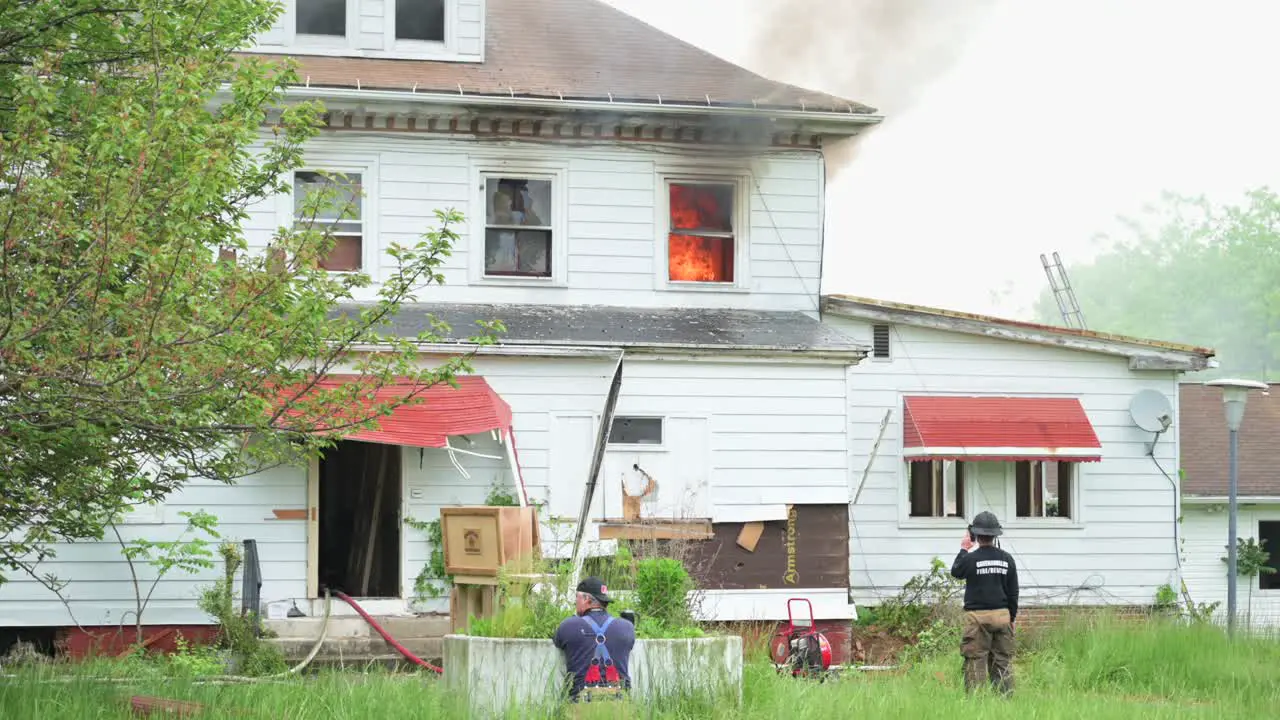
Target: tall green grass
[(1100, 668)]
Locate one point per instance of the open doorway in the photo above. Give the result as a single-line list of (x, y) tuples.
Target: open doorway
[(359, 523)]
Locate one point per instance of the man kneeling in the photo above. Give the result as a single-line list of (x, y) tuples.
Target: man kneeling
[(596, 646)]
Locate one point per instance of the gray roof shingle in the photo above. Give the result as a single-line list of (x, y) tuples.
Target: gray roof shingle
[(628, 327), (577, 49), (1202, 436)]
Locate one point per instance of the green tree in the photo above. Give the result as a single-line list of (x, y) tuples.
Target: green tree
[(134, 352), (1191, 271), (1252, 560)]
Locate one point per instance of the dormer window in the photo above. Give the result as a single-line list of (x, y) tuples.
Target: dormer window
[(431, 30), (324, 18), (420, 20)]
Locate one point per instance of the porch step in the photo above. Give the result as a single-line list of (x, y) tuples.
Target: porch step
[(354, 641)]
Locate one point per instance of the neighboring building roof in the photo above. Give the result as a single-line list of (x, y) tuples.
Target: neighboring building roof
[(629, 327), (1202, 435), (1142, 354), (577, 49)]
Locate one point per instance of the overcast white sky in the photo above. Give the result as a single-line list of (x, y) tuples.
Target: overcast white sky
[(1057, 117)]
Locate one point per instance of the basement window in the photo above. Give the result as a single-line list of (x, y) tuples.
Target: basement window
[(340, 215), (1269, 537), (635, 431), (420, 20), (1044, 489), (518, 232), (936, 488), (880, 342), (326, 18), (701, 233)]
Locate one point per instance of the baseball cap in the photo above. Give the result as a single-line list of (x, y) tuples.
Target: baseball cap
[(594, 587)]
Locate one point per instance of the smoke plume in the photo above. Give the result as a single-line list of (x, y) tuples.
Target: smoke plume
[(881, 53)]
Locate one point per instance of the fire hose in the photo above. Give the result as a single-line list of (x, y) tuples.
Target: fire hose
[(385, 636)]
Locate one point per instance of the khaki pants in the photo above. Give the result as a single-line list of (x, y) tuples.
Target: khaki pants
[(987, 647)]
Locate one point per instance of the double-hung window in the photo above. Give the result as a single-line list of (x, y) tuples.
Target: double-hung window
[(520, 221), (333, 203), (936, 488)]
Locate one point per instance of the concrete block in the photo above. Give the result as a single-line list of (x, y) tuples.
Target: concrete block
[(424, 626), (480, 669)]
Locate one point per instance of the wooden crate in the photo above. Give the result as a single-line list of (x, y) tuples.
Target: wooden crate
[(479, 541)]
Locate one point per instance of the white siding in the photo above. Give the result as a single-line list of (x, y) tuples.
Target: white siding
[(611, 197), (762, 433), (1121, 548), (1204, 544), (99, 587)]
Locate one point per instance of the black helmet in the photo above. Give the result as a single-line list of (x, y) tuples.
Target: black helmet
[(986, 523)]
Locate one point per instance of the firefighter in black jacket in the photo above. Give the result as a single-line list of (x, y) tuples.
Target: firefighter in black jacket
[(990, 605)]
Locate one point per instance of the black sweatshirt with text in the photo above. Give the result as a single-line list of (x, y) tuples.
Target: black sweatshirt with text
[(991, 579)]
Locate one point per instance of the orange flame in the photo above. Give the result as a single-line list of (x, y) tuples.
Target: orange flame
[(695, 258)]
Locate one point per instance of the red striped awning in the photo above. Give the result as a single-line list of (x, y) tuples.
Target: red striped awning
[(997, 428), (438, 412)]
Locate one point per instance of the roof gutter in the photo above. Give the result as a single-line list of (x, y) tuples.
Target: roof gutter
[(1222, 500), (534, 103), (1141, 357), (582, 350)]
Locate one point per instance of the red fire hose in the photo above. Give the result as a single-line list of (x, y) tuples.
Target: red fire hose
[(390, 640)]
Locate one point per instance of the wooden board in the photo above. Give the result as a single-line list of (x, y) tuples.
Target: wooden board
[(808, 550), (749, 536), (657, 530)]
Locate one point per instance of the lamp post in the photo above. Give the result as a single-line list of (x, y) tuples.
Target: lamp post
[(1234, 395)]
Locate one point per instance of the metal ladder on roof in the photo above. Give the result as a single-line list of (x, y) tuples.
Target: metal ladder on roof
[(1065, 296)]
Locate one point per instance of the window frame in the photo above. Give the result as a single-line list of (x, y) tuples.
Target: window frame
[(477, 221), (1274, 560), (740, 180), (367, 168), (421, 47), (963, 495), (332, 42), (1077, 518), (639, 447)]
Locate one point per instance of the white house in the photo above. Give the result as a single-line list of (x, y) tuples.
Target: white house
[(624, 192), (953, 414), (1204, 498)]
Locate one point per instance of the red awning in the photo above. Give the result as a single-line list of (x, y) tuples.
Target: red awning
[(997, 428), (438, 412)]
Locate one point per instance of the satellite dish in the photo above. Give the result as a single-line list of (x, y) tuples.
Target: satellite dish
[(1151, 411)]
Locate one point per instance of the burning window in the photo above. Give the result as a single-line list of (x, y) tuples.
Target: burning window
[(421, 20), (701, 239), (517, 233), (340, 215)]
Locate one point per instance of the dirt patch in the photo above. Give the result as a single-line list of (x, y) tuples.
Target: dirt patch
[(871, 645)]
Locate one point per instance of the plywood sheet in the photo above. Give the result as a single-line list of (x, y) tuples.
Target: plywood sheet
[(810, 549)]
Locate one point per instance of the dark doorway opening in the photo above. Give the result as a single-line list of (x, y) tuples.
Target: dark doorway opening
[(360, 519)]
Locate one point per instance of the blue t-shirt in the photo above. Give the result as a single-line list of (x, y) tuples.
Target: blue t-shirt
[(577, 639)]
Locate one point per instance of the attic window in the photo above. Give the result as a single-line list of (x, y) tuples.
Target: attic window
[(880, 341), (322, 17), (420, 20)]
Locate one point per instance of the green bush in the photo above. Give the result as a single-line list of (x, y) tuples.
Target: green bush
[(925, 600), (249, 654), (661, 586), (662, 590)]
